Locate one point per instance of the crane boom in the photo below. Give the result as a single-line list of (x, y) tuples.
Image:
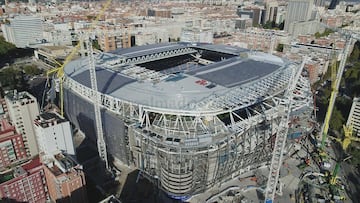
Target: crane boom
[(334, 92), (96, 99), (60, 70), (281, 136)]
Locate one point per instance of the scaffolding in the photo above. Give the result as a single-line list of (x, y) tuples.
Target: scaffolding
[(201, 145)]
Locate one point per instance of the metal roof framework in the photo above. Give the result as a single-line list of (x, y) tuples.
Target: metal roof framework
[(265, 95), (200, 128), (118, 62)]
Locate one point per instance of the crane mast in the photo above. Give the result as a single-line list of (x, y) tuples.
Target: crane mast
[(335, 89), (281, 135), (96, 99)]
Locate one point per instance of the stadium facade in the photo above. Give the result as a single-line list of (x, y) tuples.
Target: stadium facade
[(188, 116)]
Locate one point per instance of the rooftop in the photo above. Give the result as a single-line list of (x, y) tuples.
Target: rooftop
[(18, 96), (60, 164), (20, 170), (48, 119)]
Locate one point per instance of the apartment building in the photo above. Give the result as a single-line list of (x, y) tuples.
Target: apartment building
[(354, 116), (23, 109), (65, 179), (23, 30), (54, 134), (12, 147), (25, 183)]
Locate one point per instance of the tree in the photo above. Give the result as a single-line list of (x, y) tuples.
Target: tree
[(9, 77), (280, 48), (96, 45), (355, 54), (269, 25), (325, 33), (337, 120), (281, 25), (32, 70), (5, 46)]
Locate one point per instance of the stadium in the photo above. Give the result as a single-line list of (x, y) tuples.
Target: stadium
[(189, 116)]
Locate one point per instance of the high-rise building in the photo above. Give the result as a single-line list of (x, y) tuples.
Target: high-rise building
[(23, 30), (110, 42), (65, 179), (257, 14), (23, 109), (11, 145), (354, 116), (54, 134), (298, 11), (164, 13), (26, 183), (271, 11)]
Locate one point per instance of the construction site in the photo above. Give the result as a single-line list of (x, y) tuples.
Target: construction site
[(179, 114), (205, 122)]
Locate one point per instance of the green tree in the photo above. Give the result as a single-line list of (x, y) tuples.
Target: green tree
[(280, 48), (281, 25), (96, 45), (32, 70), (269, 25), (10, 77), (355, 54), (325, 33), (337, 120), (5, 46)]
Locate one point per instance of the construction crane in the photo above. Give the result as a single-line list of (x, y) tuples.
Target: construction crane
[(348, 137), (59, 74), (281, 135), (336, 79), (345, 143), (96, 99), (335, 84)]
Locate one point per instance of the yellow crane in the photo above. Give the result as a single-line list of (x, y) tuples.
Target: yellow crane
[(336, 74), (59, 72), (348, 137)]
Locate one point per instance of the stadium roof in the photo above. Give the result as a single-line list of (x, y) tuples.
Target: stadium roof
[(187, 84)]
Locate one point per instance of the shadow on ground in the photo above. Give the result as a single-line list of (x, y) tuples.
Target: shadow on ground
[(143, 191)]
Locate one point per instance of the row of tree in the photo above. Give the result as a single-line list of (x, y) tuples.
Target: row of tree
[(16, 77), (323, 34), (5, 46)]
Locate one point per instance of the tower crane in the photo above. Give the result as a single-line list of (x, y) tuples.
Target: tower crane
[(348, 137), (281, 135), (96, 99), (59, 74), (335, 78), (345, 142), (335, 84)]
